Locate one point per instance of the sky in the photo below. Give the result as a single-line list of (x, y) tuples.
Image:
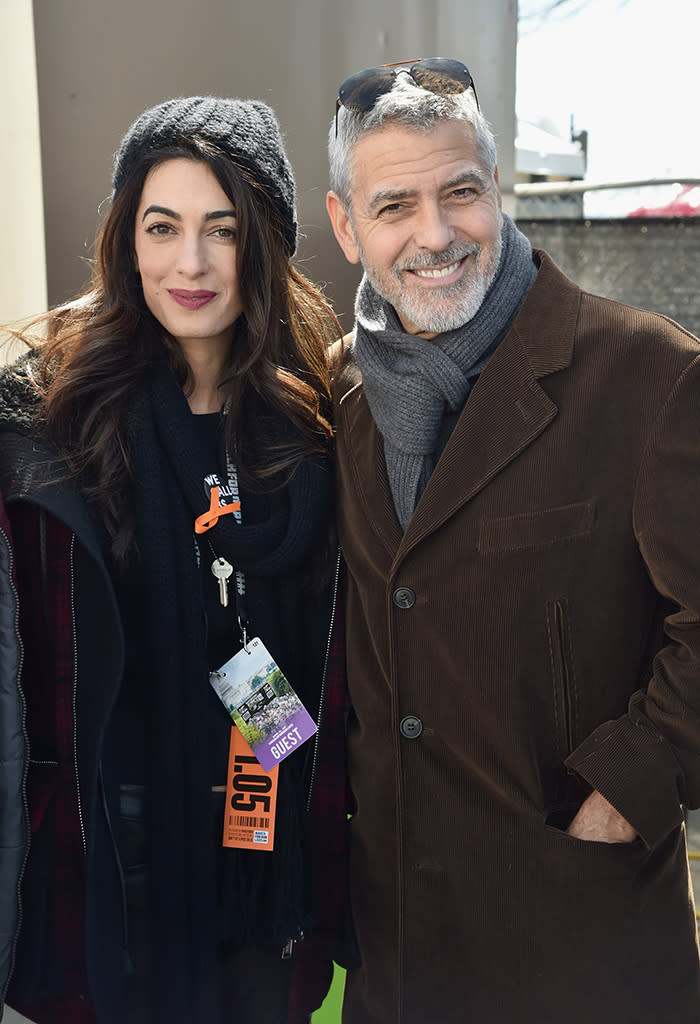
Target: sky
[(626, 71)]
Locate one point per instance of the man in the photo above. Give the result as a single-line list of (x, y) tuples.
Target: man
[(519, 496)]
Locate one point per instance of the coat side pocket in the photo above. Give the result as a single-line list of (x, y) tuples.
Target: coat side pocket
[(565, 696)]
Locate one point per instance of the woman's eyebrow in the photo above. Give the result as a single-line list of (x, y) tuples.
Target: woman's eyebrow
[(167, 212), (153, 208), (215, 214)]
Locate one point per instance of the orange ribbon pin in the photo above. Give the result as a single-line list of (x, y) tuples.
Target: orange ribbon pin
[(214, 512)]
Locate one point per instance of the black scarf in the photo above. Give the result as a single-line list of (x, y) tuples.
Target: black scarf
[(201, 893)]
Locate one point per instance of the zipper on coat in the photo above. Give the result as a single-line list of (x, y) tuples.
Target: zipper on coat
[(25, 800), (562, 639), (324, 682), (75, 694)]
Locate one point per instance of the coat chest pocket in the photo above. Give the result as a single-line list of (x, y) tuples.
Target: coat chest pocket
[(537, 529)]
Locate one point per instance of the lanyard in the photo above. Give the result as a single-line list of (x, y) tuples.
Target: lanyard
[(221, 568), (239, 576)]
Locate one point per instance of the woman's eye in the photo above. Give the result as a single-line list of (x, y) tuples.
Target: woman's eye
[(158, 229), (229, 234)]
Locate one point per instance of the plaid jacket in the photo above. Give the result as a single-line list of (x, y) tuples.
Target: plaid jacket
[(49, 956)]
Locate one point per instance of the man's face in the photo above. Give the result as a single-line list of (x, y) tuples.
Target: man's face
[(425, 222)]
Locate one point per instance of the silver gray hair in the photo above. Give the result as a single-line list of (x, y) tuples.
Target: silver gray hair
[(408, 106)]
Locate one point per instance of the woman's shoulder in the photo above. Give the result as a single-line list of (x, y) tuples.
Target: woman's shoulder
[(20, 398)]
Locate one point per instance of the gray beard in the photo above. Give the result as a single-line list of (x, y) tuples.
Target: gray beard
[(443, 309)]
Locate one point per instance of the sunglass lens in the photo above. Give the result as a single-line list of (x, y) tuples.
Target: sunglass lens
[(441, 75), (362, 90)]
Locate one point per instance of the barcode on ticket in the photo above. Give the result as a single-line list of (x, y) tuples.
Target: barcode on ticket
[(248, 821)]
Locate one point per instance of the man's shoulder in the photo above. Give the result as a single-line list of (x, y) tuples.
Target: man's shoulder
[(636, 323)]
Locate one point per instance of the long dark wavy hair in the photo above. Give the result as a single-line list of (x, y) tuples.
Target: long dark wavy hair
[(99, 346)]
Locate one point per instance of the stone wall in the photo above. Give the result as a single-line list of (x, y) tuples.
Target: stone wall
[(649, 262)]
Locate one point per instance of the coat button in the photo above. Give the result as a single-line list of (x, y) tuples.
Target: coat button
[(403, 597), (411, 727)]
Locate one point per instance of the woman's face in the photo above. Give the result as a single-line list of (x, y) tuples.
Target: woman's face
[(185, 246)]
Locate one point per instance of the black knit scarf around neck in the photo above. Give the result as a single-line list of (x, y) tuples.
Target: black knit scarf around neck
[(260, 896)]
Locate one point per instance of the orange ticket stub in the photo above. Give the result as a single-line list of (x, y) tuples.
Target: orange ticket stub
[(251, 799)]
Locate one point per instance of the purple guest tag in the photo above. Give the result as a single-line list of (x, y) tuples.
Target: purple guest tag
[(262, 703)]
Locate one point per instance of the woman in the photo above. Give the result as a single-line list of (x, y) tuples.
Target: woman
[(163, 458)]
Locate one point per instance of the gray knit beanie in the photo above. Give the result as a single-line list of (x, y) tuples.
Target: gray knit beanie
[(245, 130)]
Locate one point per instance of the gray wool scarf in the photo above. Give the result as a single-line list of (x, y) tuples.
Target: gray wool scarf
[(411, 383)]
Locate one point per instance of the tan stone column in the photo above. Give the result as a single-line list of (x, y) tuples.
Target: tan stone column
[(22, 250)]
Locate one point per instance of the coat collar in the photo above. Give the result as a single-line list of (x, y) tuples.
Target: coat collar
[(507, 410), (546, 321)]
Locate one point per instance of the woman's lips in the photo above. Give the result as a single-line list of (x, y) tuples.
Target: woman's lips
[(191, 300)]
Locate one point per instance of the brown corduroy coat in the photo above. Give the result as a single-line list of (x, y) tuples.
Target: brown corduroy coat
[(520, 623)]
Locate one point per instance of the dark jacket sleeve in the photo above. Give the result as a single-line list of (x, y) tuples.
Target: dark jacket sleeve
[(12, 759), (647, 763)]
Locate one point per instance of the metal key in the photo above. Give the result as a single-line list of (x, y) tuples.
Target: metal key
[(222, 570)]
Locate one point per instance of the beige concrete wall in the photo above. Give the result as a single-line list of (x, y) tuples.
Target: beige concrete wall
[(100, 64), (647, 262), (22, 261)]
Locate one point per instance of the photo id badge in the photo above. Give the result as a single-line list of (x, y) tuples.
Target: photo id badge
[(263, 705)]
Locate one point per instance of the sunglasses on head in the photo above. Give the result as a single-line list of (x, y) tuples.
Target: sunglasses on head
[(442, 75)]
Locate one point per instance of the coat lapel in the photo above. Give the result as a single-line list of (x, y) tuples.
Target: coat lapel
[(506, 411), (365, 450), (508, 407)]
